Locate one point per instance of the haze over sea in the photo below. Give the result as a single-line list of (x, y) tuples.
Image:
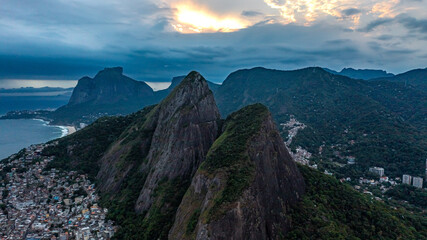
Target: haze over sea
[(18, 134)]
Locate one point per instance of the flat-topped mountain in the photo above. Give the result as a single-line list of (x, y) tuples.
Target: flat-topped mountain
[(108, 93), (109, 86), (364, 74)]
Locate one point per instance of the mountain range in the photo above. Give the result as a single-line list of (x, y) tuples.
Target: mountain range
[(380, 122), (177, 170), (416, 78), (108, 93)]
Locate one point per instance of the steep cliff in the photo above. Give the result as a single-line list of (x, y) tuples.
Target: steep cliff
[(246, 185), (175, 82), (163, 149), (108, 93), (109, 86)]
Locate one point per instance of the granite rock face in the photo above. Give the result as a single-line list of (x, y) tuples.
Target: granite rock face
[(109, 86), (258, 211), (171, 140), (108, 93), (202, 177), (187, 127)]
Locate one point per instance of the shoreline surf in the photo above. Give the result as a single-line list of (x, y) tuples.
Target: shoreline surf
[(16, 134)]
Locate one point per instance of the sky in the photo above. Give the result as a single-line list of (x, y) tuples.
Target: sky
[(156, 40)]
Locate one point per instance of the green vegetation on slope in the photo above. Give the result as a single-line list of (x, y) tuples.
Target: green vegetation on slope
[(154, 224), (338, 110), (416, 78), (413, 195), (228, 154), (332, 210), (82, 150)]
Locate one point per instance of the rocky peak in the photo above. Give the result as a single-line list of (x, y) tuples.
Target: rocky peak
[(225, 178), (110, 86), (113, 70), (186, 128), (245, 186), (165, 145)]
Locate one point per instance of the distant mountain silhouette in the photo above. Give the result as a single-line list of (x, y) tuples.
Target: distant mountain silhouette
[(364, 74), (110, 86), (35, 90), (416, 78), (109, 93)]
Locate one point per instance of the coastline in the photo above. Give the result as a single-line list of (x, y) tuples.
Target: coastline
[(65, 130), (71, 129), (16, 134)]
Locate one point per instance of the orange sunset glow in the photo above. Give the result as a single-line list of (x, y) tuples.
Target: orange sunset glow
[(193, 20)]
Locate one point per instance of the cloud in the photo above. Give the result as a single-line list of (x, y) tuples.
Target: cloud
[(412, 23), (351, 11), (55, 39), (376, 23), (251, 13), (385, 37)]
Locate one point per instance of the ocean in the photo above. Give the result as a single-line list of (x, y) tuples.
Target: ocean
[(21, 133), (14, 103), (18, 134)]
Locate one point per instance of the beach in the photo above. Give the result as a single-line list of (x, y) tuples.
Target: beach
[(16, 134), (70, 129)]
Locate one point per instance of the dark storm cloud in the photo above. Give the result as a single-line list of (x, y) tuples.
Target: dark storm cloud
[(213, 54), (51, 39), (63, 68), (351, 11), (385, 37), (251, 13), (337, 42), (411, 23), (376, 23)]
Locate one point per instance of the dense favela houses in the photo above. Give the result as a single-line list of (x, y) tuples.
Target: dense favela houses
[(41, 203)]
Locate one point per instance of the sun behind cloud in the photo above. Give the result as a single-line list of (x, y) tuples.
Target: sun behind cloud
[(190, 19), (201, 16)]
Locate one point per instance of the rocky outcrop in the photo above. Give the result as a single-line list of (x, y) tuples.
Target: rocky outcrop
[(241, 192), (109, 86), (187, 127), (151, 164), (166, 143), (108, 93), (225, 178)]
